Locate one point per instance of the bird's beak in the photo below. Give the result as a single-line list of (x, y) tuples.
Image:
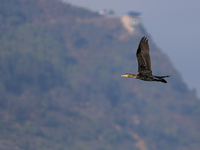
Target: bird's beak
[(124, 75)]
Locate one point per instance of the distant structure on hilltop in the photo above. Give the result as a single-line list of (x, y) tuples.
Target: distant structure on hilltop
[(131, 20), (106, 12)]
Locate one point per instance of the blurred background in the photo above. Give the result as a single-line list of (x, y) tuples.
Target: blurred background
[(173, 25), (60, 75)]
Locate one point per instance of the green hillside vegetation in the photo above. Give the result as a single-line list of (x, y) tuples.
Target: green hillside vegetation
[(61, 89)]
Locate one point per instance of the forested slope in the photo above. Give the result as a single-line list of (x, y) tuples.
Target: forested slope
[(61, 85)]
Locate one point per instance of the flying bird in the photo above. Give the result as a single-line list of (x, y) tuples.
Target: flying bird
[(144, 64)]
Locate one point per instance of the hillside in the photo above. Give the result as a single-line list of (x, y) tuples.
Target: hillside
[(61, 85)]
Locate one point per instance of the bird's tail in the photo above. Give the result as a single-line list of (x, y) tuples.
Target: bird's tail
[(160, 80), (162, 76), (163, 80)]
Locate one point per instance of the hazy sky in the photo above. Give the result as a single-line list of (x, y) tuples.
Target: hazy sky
[(174, 26)]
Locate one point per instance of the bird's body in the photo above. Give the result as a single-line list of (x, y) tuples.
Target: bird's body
[(144, 64)]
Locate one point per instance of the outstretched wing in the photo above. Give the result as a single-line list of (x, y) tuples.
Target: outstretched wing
[(144, 61)]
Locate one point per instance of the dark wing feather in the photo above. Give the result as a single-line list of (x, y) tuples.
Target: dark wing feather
[(144, 61)]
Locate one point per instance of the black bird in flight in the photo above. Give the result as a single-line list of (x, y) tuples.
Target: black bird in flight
[(144, 64)]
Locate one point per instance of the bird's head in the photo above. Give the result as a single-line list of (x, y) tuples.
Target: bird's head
[(129, 75)]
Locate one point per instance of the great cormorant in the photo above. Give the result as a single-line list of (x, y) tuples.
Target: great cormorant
[(144, 64)]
